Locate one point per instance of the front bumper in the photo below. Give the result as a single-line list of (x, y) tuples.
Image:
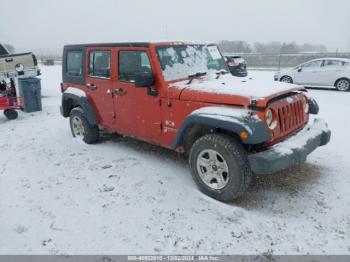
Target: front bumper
[(291, 152)]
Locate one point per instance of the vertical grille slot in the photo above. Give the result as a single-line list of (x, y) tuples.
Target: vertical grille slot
[(280, 117)]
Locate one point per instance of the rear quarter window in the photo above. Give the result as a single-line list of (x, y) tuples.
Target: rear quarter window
[(335, 63), (74, 63)]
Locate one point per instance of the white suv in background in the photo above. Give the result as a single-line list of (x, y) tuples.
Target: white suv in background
[(323, 72)]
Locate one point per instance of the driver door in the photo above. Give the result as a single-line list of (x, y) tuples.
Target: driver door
[(308, 73), (137, 114)]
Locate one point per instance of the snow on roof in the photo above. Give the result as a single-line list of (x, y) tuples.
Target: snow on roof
[(330, 58), (181, 42), (145, 44), (337, 58)]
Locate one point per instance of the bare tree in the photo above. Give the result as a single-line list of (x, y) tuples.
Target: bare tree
[(267, 48), (234, 46)]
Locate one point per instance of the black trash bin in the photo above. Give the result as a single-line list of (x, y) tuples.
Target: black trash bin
[(30, 90)]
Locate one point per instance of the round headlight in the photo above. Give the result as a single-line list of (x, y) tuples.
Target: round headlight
[(306, 105), (19, 68), (269, 117)]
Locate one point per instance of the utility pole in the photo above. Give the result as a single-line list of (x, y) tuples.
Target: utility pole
[(279, 59)]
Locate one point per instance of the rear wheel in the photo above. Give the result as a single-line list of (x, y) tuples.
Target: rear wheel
[(343, 85), (286, 79), (220, 167), (81, 128), (11, 114)]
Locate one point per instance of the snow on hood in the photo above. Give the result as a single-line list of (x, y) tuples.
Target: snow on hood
[(236, 86)]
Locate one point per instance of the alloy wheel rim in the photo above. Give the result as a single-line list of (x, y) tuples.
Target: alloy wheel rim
[(78, 127), (212, 169), (286, 80), (343, 85)]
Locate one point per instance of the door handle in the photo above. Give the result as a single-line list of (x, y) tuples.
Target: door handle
[(119, 91), (91, 86)]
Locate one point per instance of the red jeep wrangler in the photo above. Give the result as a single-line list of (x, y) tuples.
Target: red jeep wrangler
[(180, 96)]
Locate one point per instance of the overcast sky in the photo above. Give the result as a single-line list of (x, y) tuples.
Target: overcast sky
[(44, 24)]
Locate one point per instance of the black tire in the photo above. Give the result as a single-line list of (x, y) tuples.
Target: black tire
[(11, 114), (90, 132), (343, 85), (239, 173), (286, 79)]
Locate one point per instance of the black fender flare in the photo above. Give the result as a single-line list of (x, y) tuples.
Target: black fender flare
[(314, 108), (70, 100), (256, 129)]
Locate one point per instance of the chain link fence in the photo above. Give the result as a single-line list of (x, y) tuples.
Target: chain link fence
[(275, 61)]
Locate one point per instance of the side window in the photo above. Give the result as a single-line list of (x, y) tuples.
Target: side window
[(312, 64), (334, 63), (132, 62), (100, 64), (74, 63)]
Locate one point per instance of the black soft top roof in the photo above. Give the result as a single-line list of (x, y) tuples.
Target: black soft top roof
[(120, 44), (3, 50)]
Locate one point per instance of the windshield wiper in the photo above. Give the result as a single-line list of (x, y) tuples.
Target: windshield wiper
[(199, 74), (222, 72)]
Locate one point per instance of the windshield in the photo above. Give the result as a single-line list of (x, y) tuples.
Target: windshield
[(181, 61)]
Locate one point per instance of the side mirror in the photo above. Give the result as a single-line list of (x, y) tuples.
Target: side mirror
[(144, 79)]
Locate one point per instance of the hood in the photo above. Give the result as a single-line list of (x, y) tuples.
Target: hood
[(233, 90)]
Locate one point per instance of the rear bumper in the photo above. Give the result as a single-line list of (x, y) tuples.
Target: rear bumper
[(238, 72), (293, 151)]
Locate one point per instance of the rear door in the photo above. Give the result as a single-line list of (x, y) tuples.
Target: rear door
[(137, 114), (100, 81), (331, 71)]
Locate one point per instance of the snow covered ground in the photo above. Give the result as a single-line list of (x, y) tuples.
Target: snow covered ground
[(122, 196)]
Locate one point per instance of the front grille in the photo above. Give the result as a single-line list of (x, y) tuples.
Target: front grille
[(290, 115)]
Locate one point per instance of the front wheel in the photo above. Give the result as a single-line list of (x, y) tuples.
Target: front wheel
[(81, 128), (287, 79), (220, 167), (342, 85), (11, 114)]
